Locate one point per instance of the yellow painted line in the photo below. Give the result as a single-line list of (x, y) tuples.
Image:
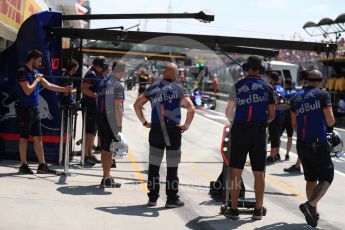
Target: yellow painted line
[(136, 168), (201, 171), (284, 186), (270, 178), (195, 166)]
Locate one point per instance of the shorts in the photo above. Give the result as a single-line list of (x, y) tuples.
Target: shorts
[(29, 121), (248, 138), (91, 113), (274, 130), (142, 89), (105, 133), (286, 125), (171, 140), (316, 161)]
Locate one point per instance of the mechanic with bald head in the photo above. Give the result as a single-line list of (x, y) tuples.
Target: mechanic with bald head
[(311, 117), (166, 98)]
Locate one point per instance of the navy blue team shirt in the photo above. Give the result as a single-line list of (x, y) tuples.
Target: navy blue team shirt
[(25, 74), (289, 93), (308, 105), (280, 90), (67, 81), (252, 96), (165, 97), (93, 79)]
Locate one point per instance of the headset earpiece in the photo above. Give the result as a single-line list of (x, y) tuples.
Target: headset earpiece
[(245, 66), (262, 69)]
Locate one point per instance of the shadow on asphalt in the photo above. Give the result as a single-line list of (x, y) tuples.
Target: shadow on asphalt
[(135, 210), (203, 222), (283, 225), (83, 190), (286, 174)]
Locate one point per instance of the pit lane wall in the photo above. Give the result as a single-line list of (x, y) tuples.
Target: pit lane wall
[(31, 35)]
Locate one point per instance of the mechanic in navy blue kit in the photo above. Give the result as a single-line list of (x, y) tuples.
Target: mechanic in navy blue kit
[(89, 88), (166, 98), (109, 117), (28, 88), (311, 117), (302, 78), (66, 80), (274, 128), (286, 123), (255, 107)]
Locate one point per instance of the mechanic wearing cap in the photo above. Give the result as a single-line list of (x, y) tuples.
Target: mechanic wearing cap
[(166, 98), (311, 116), (255, 107), (89, 88), (109, 117), (28, 88), (286, 122), (302, 78), (274, 128)]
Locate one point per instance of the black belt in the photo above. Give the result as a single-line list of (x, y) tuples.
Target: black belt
[(241, 122), (313, 144), (158, 125)]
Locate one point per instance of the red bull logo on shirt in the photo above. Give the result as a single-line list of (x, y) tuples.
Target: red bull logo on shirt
[(252, 98), (306, 107), (165, 97)]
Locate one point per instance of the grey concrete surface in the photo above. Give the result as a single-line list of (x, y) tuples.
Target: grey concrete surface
[(37, 202)]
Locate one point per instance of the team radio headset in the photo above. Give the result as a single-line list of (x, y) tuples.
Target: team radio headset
[(282, 103)]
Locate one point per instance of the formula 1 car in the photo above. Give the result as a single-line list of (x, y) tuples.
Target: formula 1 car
[(201, 100)]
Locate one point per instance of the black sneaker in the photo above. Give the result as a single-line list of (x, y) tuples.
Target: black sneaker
[(174, 203), (98, 149), (277, 158), (94, 159), (287, 157), (113, 163), (270, 160), (310, 214), (78, 142), (109, 182), (259, 213), (24, 169), (89, 160), (233, 214), (293, 169), (152, 201), (44, 169)]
